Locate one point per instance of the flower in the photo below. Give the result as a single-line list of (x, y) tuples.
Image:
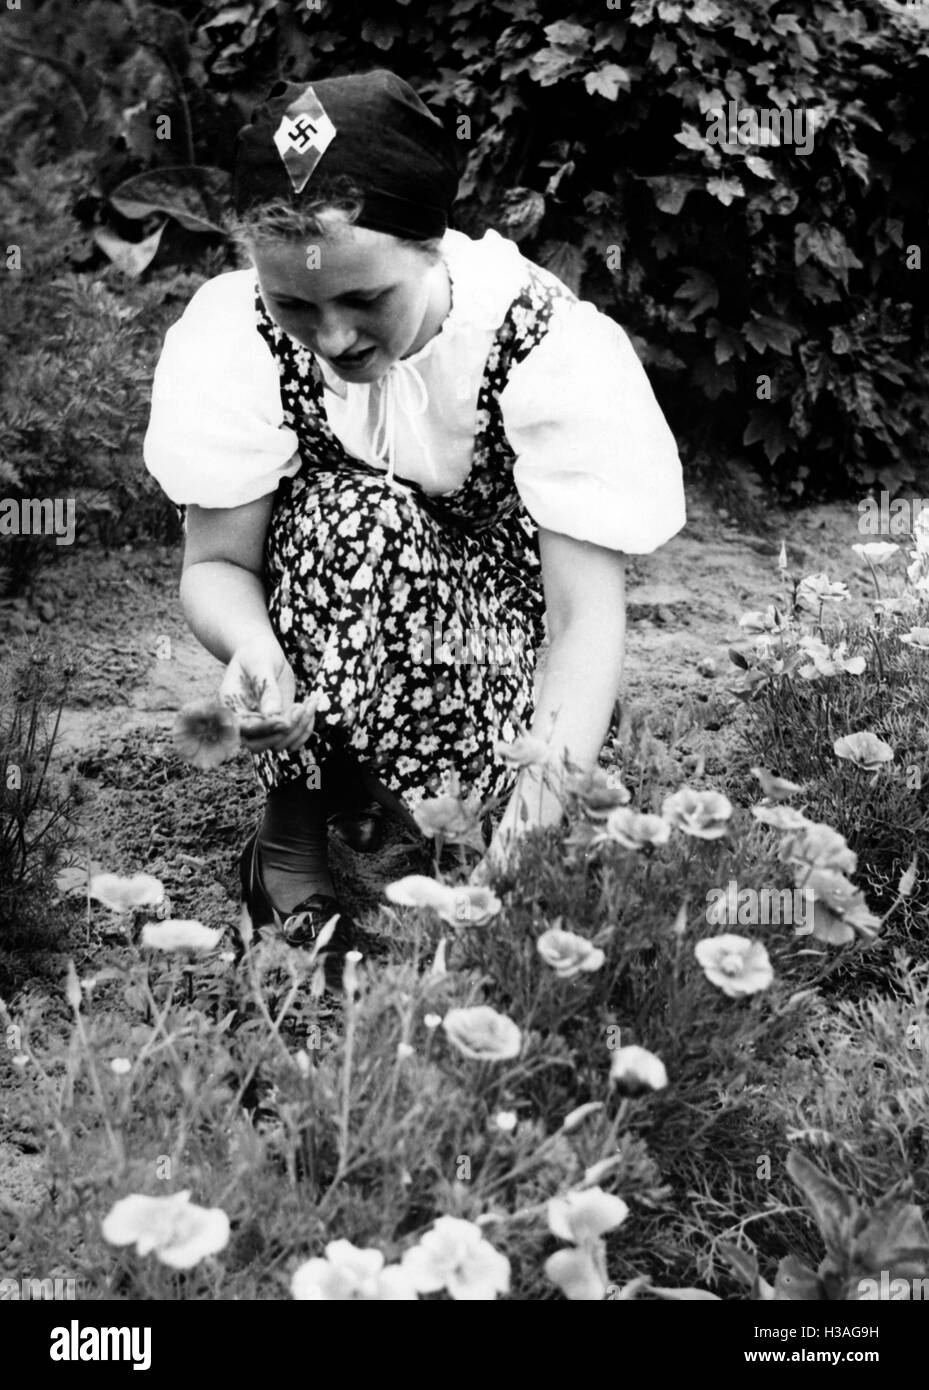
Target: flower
[(579, 1273), (439, 966), (469, 903), (348, 1273), (864, 750), (825, 663), (123, 894), (774, 787), (180, 1233), (734, 963), (757, 621), (818, 846), (456, 820), (404, 1050), (179, 934), (505, 1120), (568, 954), (635, 1070), (598, 791), (463, 903), (839, 911), (525, 751), (455, 1256), (206, 733), (121, 1066), (878, 552), (432, 1020), (917, 637), (703, 814), (350, 965), (816, 589), (483, 1034), (634, 830), (585, 1216), (781, 817), (416, 890)]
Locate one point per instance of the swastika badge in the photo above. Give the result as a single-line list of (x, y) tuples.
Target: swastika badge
[(303, 136)]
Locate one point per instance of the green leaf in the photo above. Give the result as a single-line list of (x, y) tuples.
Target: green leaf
[(700, 288), (194, 195), (663, 54), (567, 35), (763, 331), (607, 81), (725, 189), (830, 1204), (795, 1283), (670, 192), (131, 257), (563, 259)]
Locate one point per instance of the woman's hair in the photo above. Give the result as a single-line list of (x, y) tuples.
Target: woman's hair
[(280, 220)]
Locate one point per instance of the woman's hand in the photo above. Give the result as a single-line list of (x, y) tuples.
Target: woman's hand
[(260, 685)]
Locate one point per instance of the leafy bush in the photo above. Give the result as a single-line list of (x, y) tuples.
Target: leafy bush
[(774, 289)]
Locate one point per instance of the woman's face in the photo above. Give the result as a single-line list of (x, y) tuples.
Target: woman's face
[(361, 296)]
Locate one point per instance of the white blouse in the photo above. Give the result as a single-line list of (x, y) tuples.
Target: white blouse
[(595, 458)]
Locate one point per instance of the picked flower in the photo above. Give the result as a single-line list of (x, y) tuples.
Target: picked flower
[(702, 814), (636, 830), (568, 954), (525, 751), (124, 894), (816, 589), (481, 1033), (180, 1233), (864, 749), (878, 552), (349, 1274), (635, 1070), (180, 934), (585, 1216), (774, 787), (917, 637), (735, 964), (455, 1256), (818, 846), (598, 791), (206, 733)]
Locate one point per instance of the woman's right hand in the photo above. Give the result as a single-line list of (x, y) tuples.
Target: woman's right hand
[(260, 685)]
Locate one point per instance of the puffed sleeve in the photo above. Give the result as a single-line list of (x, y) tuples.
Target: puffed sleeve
[(216, 436), (595, 456)]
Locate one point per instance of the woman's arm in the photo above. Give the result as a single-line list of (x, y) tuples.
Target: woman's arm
[(585, 601), (223, 598)]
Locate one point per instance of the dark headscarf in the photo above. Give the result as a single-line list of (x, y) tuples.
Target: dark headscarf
[(371, 128)]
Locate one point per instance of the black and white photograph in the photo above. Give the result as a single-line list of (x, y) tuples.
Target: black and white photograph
[(464, 616)]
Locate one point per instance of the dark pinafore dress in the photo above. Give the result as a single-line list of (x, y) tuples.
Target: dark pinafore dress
[(415, 617)]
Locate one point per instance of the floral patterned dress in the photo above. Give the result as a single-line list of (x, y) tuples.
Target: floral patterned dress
[(415, 617)]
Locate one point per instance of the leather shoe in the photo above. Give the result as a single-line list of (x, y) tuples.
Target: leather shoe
[(313, 912), (361, 830)]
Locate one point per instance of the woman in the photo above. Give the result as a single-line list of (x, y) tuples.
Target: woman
[(405, 455)]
